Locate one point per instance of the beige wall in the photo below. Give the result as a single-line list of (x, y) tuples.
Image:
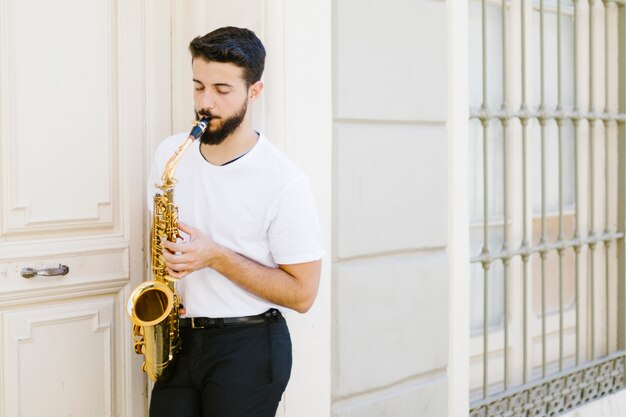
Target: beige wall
[(390, 178)]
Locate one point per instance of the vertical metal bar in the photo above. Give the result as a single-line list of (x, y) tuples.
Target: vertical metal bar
[(607, 249), (485, 124), (525, 254), (505, 243), (560, 238), (485, 330), (543, 239), (592, 227), (621, 180), (607, 243), (577, 246)]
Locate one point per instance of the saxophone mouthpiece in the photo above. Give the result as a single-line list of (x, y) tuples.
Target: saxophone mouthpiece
[(199, 127)]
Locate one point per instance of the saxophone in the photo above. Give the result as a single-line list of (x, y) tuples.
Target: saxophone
[(153, 305)]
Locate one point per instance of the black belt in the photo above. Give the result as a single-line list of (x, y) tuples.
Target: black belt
[(206, 322)]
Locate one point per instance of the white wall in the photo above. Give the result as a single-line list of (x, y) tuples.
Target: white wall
[(458, 210), (390, 178)]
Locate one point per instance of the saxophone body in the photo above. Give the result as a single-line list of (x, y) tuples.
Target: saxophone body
[(153, 306)]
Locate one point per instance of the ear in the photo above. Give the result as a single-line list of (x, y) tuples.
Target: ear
[(254, 91)]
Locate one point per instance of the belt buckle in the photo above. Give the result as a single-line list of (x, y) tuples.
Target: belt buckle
[(193, 323)]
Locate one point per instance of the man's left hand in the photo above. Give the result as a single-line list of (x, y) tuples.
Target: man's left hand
[(182, 258)]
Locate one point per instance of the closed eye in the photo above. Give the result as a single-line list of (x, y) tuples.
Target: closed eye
[(223, 89), (198, 86)]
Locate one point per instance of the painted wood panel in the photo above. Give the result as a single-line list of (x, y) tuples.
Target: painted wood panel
[(58, 79), (69, 348)]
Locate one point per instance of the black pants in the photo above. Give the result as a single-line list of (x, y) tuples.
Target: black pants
[(233, 371)]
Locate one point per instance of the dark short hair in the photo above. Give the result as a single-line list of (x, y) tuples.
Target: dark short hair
[(232, 45)]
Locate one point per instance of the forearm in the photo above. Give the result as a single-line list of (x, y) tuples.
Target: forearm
[(293, 286), (275, 285)]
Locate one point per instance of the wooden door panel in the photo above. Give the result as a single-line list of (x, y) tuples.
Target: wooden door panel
[(58, 122), (58, 360)]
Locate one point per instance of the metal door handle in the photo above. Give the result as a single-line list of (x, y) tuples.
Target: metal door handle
[(48, 272)]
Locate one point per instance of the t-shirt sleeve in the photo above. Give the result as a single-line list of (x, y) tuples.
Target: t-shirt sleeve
[(294, 231)]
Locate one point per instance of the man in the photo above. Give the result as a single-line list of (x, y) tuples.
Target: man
[(253, 247)]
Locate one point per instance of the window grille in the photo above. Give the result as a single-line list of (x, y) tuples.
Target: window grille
[(547, 187)]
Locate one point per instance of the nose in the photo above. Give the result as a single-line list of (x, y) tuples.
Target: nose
[(205, 100)]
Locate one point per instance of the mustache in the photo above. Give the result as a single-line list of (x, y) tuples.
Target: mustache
[(205, 113)]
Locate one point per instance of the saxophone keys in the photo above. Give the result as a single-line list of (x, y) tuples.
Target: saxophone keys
[(138, 340)]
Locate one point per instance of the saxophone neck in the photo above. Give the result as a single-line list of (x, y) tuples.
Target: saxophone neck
[(170, 167), (168, 173)]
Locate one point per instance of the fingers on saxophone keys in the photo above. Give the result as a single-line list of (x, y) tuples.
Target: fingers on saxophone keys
[(170, 255), (176, 274), (165, 245), (175, 262), (171, 247), (172, 261)]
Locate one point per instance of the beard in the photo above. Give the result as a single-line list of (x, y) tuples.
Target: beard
[(225, 129)]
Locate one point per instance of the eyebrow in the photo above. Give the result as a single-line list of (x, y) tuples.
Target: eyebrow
[(214, 85)]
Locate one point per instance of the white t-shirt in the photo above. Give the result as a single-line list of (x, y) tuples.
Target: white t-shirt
[(260, 206)]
